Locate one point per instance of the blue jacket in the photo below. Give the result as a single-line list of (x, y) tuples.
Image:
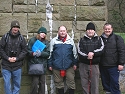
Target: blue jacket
[(63, 55)]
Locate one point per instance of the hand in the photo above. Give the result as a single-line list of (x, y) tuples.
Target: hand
[(50, 68), (74, 67), (38, 53), (120, 67), (90, 55), (12, 59)]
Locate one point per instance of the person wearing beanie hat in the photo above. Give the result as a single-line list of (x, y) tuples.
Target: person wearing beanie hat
[(15, 24), (38, 57), (13, 47), (90, 48), (42, 30)]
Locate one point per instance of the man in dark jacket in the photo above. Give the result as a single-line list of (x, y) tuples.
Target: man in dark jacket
[(90, 48), (12, 50), (112, 60)]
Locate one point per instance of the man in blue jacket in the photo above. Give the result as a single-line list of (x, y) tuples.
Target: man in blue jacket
[(63, 60)]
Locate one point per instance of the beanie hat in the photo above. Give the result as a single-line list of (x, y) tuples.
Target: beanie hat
[(42, 30), (90, 26), (15, 24)]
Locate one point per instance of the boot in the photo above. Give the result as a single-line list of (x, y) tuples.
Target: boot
[(71, 91), (61, 91)]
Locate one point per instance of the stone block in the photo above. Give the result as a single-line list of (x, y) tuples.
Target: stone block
[(5, 6), (35, 21), (67, 13), (91, 13), (20, 2), (24, 9)]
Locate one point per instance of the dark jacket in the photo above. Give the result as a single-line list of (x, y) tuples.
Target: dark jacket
[(44, 55), (114, 51), (63, 54), (86, 45), (12, 45)]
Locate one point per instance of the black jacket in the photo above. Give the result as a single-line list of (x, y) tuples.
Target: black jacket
[(86, 45), (114, 51), (12, 45)]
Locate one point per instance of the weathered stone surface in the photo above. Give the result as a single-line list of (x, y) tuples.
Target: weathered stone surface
[(35, 21), (67, 13), (24, 9), (20, 2), (90, 2), (1, 86), (5, 6), (91, 13)]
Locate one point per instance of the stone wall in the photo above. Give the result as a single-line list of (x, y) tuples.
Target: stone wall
[(74, 14)]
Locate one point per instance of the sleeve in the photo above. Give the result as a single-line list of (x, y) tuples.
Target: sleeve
[(121, 50), (99, 50), (23, 51), (80, 49), (2, 48), (29, 47), (46, 52)]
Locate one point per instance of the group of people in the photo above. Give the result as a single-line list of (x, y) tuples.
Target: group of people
[(95, 56)]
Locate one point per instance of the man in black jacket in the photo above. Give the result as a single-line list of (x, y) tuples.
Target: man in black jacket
[(112, 60), (90, 48), (12, 50)]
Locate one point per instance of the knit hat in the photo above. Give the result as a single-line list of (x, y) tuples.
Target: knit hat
[(15, 24), (90, 26), (42, 30)]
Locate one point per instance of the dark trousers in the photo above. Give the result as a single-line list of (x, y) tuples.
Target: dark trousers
[(110, 79), (38, 84)]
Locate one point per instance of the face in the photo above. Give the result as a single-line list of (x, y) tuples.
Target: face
[(62, 31), (90, 33), (108, 30), (15, 30), (42, 35)]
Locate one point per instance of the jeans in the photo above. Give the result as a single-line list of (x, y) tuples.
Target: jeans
[(110, 79), (12, 80)]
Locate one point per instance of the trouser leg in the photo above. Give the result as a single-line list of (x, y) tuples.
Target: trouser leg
[(42, 85), (7, 84), (71, 91), (16, 80), (34, 86), (61, 91)]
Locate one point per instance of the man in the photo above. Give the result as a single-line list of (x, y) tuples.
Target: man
[(13, 51), (112, 60), (90, 48), (63, 60)]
